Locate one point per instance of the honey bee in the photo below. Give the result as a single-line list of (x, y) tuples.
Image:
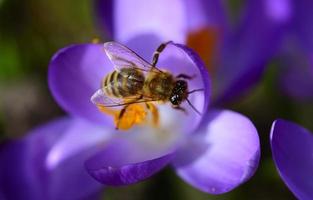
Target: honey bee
[(135, 82)]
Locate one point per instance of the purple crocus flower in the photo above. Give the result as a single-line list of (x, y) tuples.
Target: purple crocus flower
[(196, 151), (292, 148), (214, 153)]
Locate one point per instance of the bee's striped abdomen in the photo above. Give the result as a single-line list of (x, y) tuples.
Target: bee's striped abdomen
[(124, 83), (110, 84)]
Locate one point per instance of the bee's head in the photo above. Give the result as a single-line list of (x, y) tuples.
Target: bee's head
[(179, 92)]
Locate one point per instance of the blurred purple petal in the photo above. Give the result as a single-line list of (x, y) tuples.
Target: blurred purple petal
[(124, 161), (164, 19), (75, 73), (246, 52), (296, 79), (183, 15), (143, 31), (292, 149), (303, 23), (104, 16), (26, 171), (224, 154), (279, 10), (202, 14), (208, 24)]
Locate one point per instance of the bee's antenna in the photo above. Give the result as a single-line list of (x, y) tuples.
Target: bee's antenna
[(196, 90), (195, 109)]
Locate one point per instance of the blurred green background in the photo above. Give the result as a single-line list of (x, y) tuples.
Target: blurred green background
[(32, 30)]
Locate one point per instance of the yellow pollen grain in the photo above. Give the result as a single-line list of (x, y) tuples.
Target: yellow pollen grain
[(95, 40)]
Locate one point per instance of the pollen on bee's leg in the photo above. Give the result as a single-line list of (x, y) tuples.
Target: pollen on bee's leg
[(107, 110), (133, 115)]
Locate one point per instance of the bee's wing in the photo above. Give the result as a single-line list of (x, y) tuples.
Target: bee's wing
[(122, 57), (100, 98)]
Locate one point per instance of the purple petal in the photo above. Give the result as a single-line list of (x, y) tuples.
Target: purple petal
[(124, 162), (303, 24), (48, 163), (202, 14), (292, 148), (158, 22), (296, 78), (224, 154), (75, 73), (160, 18), (247, 51), (279, 10), (154, 18), (104, 14)]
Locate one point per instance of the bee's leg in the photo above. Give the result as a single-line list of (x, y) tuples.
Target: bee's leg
[(122, 112), (154, 112), (157, 53), (181, 109), (185, 76)]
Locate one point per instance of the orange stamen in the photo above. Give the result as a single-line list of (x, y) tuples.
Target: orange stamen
[(204, 42)]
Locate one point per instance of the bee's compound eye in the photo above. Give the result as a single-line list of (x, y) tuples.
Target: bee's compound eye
[(175, 99), (181, 84)]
